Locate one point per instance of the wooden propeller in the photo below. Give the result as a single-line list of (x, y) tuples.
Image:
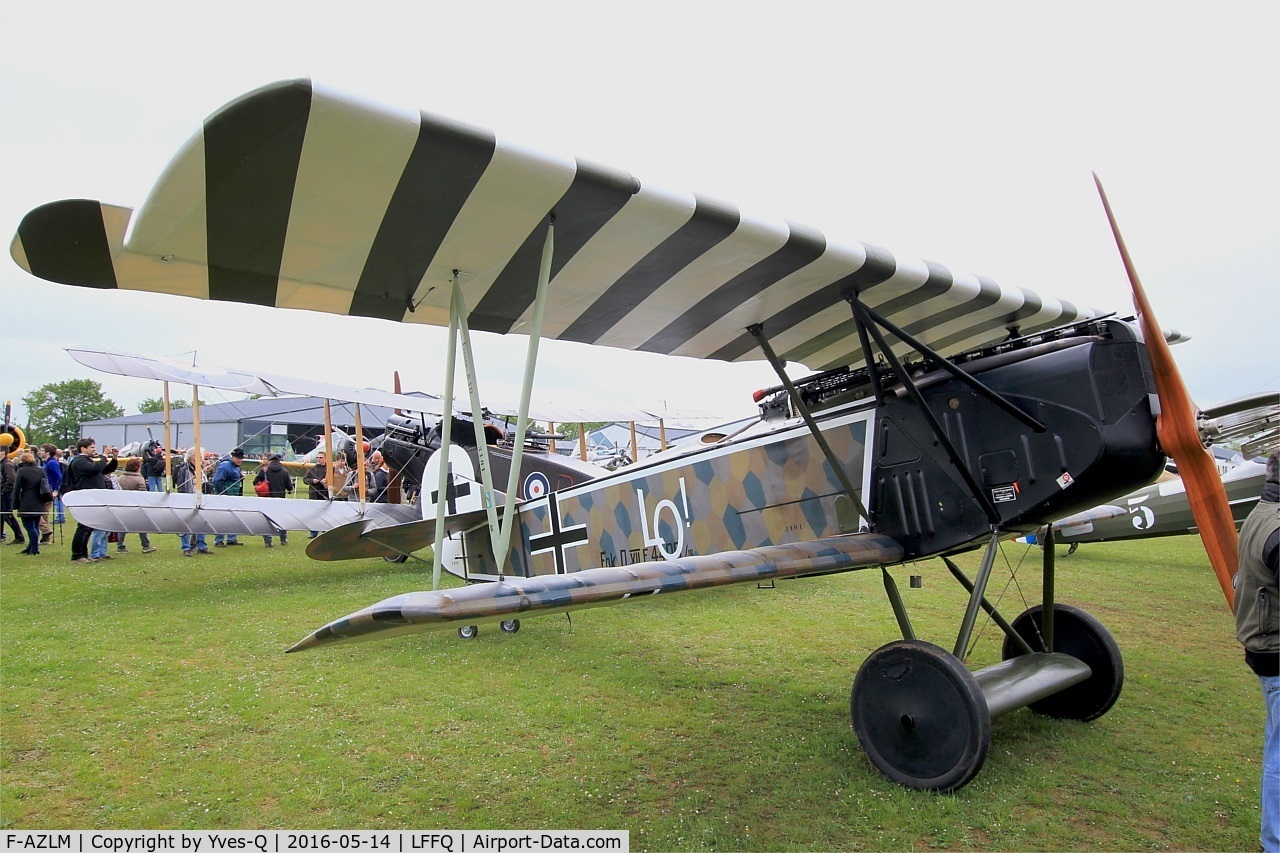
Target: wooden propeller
[(1179, 436)]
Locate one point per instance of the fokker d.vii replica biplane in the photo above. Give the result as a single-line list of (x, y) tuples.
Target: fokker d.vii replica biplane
[(949, 411)]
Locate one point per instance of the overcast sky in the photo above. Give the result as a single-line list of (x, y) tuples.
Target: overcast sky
[(963, 133)]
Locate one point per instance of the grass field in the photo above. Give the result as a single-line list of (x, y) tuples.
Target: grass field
[(151, 691)]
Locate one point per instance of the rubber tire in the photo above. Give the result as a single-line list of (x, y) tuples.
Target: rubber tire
[(510, 626), (398, 558), (920, 716), (1079, 634), (468, 632)]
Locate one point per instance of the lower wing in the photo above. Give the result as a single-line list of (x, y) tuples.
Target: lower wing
[(173, 512), (374, 536), (545, 594)]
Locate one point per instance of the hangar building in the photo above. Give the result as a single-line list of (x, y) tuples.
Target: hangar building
[(285, 425)]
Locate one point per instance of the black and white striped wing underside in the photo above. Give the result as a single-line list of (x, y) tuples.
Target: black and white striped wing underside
[(296, 197)]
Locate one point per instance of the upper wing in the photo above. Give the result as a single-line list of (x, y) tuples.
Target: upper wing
[(245, 381), (173, 512), (1252, 423), (272, 385), (531, 596), (300, 198)]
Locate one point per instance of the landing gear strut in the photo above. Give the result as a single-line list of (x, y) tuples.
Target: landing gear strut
[(924, 719)]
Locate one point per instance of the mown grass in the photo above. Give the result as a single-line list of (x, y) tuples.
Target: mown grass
[(152, 691)]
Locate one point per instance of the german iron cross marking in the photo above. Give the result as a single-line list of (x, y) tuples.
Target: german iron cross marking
[(559, 538), (452, 492)]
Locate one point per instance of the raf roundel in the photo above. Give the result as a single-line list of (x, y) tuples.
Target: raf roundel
[(536, 486)]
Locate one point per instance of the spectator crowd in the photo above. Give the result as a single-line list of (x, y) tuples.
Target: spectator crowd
[(33, 482)]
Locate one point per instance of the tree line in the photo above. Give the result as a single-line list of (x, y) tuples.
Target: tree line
[(55, 410)]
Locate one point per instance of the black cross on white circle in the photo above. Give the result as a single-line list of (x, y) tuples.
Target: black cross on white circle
[(452, 492), (559, 538)]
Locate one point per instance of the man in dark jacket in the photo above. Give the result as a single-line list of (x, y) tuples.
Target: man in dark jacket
[(153, 466), (281, 484), (317, 480), (8, 475), (381, 476), (86, 470), (1258, 630)]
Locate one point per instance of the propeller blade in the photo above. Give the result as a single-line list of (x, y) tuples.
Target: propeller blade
[(1179, 435)]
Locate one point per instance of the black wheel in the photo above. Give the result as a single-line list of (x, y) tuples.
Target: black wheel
[(920, 716), (398, 558), (1080, 635), (511, 625), (468, 632)]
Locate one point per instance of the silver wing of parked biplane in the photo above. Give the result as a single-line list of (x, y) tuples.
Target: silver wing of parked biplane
[(239, 380), (1251, 423), (274, 385), (147, 512), (172, 512)]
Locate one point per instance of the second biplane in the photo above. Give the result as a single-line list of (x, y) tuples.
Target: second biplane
[(410, 437), (1164, 508), (949, 413)]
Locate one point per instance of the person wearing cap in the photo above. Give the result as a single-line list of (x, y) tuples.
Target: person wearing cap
[(228, 479), (281, 484)]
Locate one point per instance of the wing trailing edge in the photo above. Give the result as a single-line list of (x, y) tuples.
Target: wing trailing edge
[(174, 512), (546, 594)]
